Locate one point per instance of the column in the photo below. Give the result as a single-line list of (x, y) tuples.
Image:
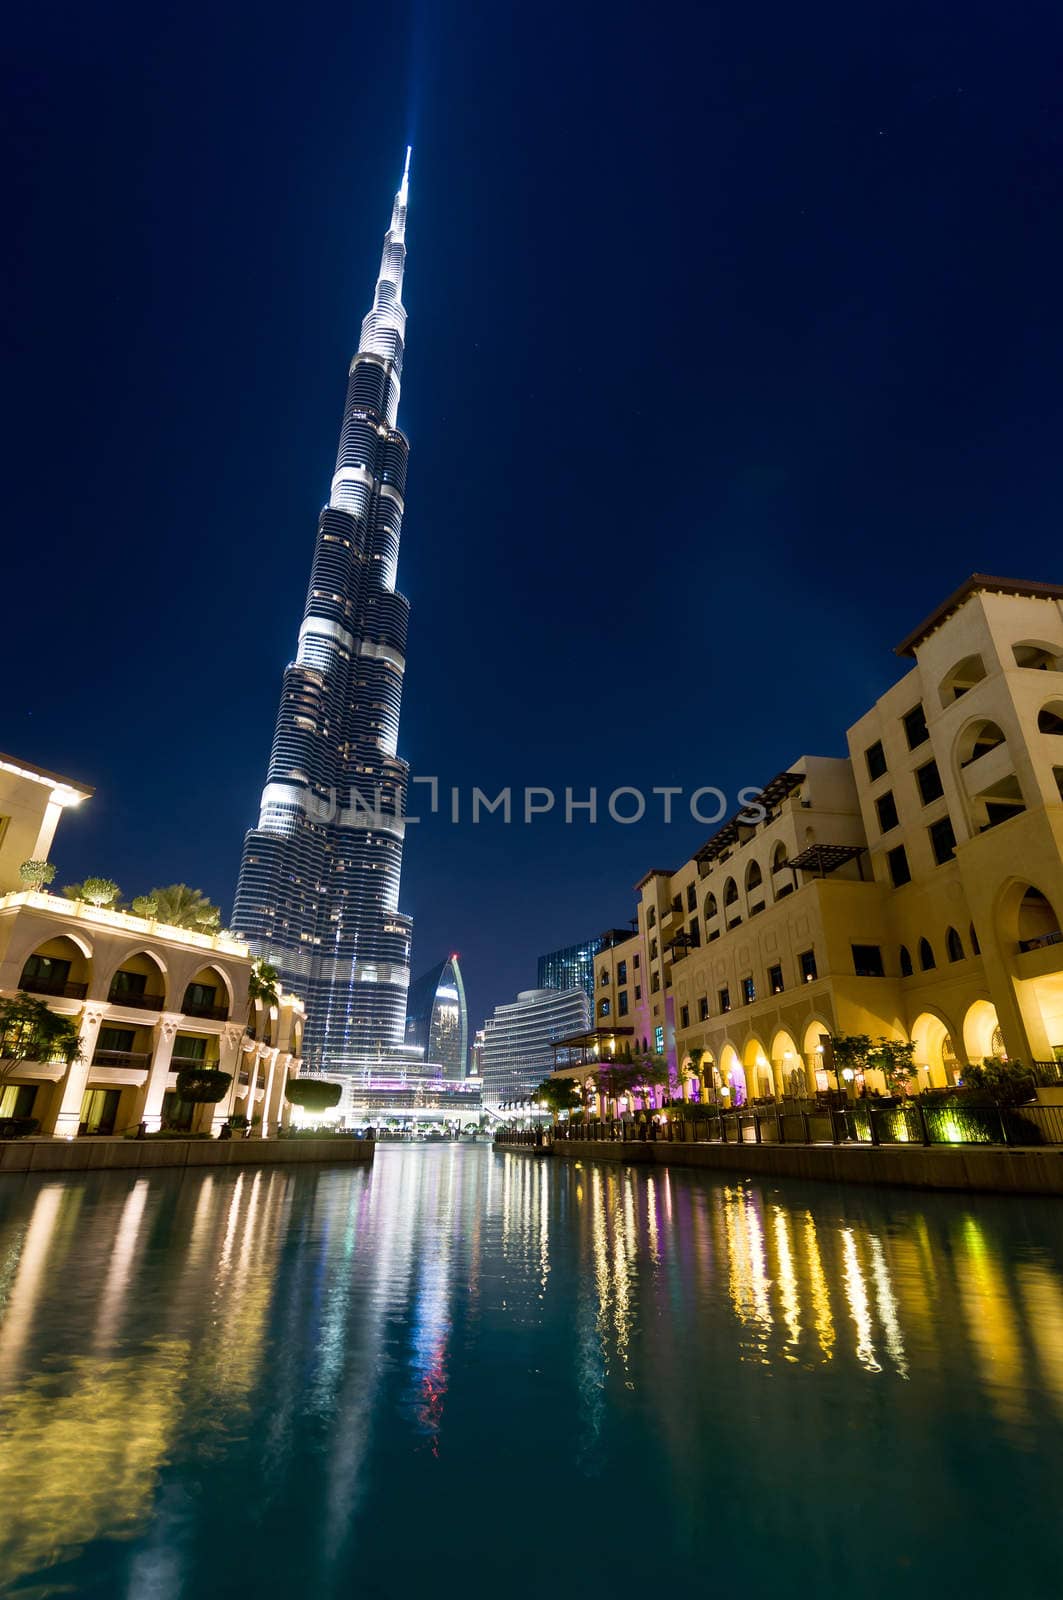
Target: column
[(76, 1077), (277, 1104), (161, 1057), (264, 1128), (229, 1055)]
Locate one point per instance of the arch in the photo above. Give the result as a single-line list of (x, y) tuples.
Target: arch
[(59, 966), (730, 892), (787, 1063), (1026, 916), (926, 955), (711, 908), (1037, 654), (756, 1064), (1050, 718), (754, 876), (977, 739), (733, 1077), (202, 979), (779, 857), (980, 1025), (954, 946), (145, 978), (906, 962), (931, 1034), (963, 676), (973, 940)]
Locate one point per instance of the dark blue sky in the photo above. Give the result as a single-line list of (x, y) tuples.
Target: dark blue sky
[(735, 344)]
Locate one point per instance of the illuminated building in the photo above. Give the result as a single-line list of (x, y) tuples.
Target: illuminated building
[(518, 1037), (437, 1020), (148, 999), (318, 893), (912, 890), (573, 966)]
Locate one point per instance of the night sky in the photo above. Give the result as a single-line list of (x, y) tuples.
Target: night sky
[(735, 342)]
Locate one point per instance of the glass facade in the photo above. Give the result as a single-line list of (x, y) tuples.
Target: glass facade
[(437, 1021), (518, 1038), (571, 968)]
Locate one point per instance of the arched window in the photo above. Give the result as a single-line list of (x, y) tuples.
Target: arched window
[(906, 962), (754, 876), (1042, 657), (926, 955), (711, 908), (964, 675), (977, 740), (1050, 717), (953, 945), (973, 937), (778, 857), (730, 892)]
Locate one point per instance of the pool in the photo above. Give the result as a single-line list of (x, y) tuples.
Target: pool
[(465, 1372)]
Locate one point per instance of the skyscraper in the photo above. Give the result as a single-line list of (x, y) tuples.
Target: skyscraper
[(437, 1020), (518, 1038), (318, 893), (573, 966)]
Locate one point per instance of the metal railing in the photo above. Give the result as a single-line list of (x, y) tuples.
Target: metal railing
[(140, 1002), (64, 991), (213, 1013), (860, 1123), (121, 1058)]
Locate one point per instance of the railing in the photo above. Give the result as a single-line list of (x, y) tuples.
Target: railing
[(192, 1064), (140, 1002), (860, 1123), (1046, 1073), (65, 991), (1056, 937), (212, 1013), (139, 1059)]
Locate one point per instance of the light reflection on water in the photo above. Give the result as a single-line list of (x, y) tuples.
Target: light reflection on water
[(253, 1382)]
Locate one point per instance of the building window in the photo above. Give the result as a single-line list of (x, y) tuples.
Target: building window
[(929, 780), (867, 961), (604, 979), (926, 955), (953, 945), (621, 972), (653, 949), (621, 1003), (638, 992), (703, 1009), (604, 1008), (807, 962), (915, 728), (651, 917), (684, 1016), (694, 934), (886, 807), (749, 991), (875, 757), (692, 897), (655, 983), (897, 861), (775, 983), (975, 946), (906, 962), (725, 999), (942, 840), (636, 961), (658, 1040)]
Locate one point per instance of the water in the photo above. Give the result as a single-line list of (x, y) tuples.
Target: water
[(465, 1373)]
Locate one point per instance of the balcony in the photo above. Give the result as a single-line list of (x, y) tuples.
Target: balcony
[(212, 1013), (139, 1060), (139, 1002), (52, 986), (192, 1064)]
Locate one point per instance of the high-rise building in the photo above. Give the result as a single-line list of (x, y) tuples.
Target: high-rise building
[(437, 1020), (318, 893), (517, 1053), (573, 967)]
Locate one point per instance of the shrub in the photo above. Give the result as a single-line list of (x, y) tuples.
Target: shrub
[(313, 1094), (203, 1086), (36, 874)]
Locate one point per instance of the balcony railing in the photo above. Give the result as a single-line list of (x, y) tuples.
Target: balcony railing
[(213, 1013), (192, 1063), (140, 1002), (53, 986), (140, 1059), (1055, 937)]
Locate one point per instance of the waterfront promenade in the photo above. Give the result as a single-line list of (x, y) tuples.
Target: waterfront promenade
[(150, 1155), (921, 1151)]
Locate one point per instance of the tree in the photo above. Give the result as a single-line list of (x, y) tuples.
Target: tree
[(697, 1055), (895, 1060), (652, 1072), (263, 988), (1009, 1083), (313, 1094), (30, 1031), (145, 905), (36, 874), (203, 1086), (559, 1094), (98, 891), (181, 907)]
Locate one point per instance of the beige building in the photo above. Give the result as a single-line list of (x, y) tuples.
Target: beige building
[(912, 890), (148, 999)]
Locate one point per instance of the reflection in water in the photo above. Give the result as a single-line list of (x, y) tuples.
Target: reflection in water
[(186, 1359)]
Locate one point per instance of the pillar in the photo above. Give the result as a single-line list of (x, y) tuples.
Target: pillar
[(76, 1077), (161, 1057), (229, 1054)]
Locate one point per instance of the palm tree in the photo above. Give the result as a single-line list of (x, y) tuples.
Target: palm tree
[(182, 907), (263, 987)]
